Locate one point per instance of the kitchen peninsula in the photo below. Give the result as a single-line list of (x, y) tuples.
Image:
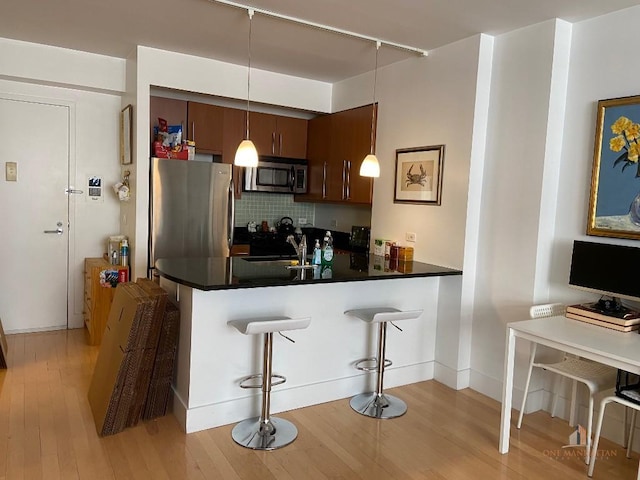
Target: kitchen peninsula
[(319, 366)]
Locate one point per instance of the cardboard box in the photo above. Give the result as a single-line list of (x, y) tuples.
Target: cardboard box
[(113, 382)]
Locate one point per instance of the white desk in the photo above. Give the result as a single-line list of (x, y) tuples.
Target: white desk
[(618, 349)]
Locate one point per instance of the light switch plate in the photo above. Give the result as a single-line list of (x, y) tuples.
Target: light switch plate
[(11, 171)]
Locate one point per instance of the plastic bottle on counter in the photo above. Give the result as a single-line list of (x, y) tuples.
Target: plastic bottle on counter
[(317, 253), (327, 250), (124, 253)]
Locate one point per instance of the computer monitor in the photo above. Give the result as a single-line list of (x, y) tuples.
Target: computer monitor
[(606, 269)]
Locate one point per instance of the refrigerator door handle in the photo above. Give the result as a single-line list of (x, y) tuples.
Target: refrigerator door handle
[(231, 218)]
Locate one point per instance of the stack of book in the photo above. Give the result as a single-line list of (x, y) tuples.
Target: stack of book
[(623, 320)]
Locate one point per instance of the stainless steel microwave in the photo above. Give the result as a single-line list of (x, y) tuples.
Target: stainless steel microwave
[(279, 175)]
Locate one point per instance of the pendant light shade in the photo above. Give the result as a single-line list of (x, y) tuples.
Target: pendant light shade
[(246, 154), (370, 167)]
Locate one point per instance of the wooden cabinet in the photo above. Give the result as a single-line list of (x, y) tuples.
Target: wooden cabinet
[(234, 130), (97, 299), (275, 135), (204, 126), (336, 145), (172, 110)]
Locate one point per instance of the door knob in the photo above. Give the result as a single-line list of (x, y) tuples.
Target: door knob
[(58, 230)]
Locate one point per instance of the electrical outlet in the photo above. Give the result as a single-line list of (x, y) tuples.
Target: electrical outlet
[(411, 237), (302, 221), (334, 223)]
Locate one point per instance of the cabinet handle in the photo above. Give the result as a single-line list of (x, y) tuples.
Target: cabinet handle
[(273, 143), (348, 179), (344, 179), (280, 144), (193, 131), (324, 180)]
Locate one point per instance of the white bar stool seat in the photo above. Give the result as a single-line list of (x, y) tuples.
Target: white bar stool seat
[(266, 432), (378, 404)]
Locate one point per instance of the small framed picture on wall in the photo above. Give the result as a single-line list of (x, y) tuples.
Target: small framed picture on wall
[(419, 175), (126, 119)]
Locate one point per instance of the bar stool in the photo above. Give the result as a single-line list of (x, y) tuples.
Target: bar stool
[(378, 404), (266, 432)]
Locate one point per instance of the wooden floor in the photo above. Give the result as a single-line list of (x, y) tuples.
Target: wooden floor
[(47, 432)]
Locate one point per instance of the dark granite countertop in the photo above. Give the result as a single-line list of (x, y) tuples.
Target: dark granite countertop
[(215, 273)]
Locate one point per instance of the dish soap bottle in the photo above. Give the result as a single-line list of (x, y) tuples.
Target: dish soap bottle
[(317, 253), (327, 250)]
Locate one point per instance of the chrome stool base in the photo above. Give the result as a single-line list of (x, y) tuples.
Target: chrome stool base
[(378, 406), (275, 433)]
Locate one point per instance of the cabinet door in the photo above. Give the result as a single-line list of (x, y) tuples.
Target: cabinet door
[(262, 131), (205, 127), (318, 154), (172, 110), (291, 141), (359, 189), (233, 132)]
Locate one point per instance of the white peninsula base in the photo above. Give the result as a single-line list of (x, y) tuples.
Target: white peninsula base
[(319, 367)]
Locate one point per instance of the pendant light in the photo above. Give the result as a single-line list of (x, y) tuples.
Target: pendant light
[(370, 166), (246, 154)]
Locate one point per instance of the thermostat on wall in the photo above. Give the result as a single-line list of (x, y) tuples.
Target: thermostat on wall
[(94, 189)]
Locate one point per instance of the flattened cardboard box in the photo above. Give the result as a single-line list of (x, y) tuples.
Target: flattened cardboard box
[(150, 341), (130, 309), (162, 376)]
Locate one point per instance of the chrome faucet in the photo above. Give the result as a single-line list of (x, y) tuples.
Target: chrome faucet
[(301, 248)]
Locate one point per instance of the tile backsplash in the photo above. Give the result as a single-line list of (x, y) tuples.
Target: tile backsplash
[(256, 207)]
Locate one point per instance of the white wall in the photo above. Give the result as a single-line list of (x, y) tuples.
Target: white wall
[(430, 101), (521, 164), (42, 71)]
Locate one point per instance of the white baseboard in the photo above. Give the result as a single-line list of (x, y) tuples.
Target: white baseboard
[(456, 379), (283, 399)]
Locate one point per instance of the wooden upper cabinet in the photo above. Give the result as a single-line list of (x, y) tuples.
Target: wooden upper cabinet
[(292, 137), (359, 189), (205, 125), (233, 132), (278, 136), (172, 110), (337, 144), (318, 153)]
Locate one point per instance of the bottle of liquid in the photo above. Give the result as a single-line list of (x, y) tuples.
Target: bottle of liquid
[(317, 254), (327, 250), (124, 253)]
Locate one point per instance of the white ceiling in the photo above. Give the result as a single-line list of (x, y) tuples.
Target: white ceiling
[(209, 29)]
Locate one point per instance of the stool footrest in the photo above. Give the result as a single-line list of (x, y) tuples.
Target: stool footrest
[(371, 368), (243, 381)]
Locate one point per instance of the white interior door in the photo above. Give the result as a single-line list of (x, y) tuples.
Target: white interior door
[(34, 267)]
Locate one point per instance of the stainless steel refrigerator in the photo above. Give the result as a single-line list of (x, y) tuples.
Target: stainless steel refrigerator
[(190, 210)]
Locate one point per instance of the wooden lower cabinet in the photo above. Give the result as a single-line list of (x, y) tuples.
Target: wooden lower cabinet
[(97, 298)]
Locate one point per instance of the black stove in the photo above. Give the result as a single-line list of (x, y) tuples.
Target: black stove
[(270, 244)]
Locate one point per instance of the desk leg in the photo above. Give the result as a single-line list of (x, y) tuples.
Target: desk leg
[(507, 391)]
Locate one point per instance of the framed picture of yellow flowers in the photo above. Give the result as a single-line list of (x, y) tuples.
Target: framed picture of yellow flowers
[(614, 206)]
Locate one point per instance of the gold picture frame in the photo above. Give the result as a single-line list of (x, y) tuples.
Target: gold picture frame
[(419, 175), (614, 203), (126, 135)]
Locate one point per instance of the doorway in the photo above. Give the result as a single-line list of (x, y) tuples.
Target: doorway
[(35, 214)]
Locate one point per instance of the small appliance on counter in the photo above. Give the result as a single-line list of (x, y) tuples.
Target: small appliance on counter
[(359, 239)]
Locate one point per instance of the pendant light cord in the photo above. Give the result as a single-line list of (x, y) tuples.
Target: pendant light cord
[(250, 12), (373, 106)]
